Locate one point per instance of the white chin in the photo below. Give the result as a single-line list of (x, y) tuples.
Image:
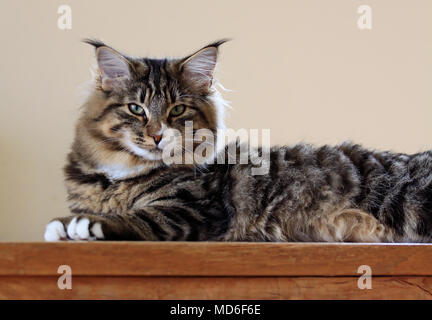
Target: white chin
[(146, 154)]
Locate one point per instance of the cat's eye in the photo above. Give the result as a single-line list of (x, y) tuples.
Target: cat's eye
[(177, 110), (136, 109)]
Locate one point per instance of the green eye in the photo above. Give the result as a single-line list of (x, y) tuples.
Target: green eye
[(136, 109), (177, 110)]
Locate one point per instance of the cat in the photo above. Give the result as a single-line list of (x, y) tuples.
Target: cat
[(119, 187)]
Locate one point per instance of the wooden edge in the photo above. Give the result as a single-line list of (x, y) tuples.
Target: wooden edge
[(213, 288), (214, 259)]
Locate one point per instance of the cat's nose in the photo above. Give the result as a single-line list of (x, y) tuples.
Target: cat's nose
[(157, 138)]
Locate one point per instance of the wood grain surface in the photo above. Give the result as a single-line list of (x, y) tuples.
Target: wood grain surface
[(214, 259), (186, 270), (214, 288)]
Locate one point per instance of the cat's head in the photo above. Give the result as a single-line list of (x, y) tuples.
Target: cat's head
[(136, 102)]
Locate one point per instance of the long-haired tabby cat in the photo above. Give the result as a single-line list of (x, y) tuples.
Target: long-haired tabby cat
[(120, 188)]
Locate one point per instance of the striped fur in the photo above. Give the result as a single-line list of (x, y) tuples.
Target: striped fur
[(327, 193)]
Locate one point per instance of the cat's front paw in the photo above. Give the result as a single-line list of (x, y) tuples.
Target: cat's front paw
[(76, 228)]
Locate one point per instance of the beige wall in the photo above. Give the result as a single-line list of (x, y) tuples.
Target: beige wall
[(301, 68)]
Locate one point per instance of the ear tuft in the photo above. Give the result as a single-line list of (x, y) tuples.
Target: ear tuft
[(94, 42)]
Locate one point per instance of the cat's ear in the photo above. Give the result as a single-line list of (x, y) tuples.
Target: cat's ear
[(198, 68), (114, 68)]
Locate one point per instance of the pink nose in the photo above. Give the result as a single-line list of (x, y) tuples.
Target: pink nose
[(157, 138)]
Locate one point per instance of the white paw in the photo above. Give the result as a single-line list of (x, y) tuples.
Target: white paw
[(76, 230), (79, 230), (55, 231)]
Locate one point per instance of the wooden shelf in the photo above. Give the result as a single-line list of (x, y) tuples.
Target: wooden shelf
[(211, 270)]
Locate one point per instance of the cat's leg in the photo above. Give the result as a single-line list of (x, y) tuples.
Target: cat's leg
[(151, 223), (90, 227), (351, 225)]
